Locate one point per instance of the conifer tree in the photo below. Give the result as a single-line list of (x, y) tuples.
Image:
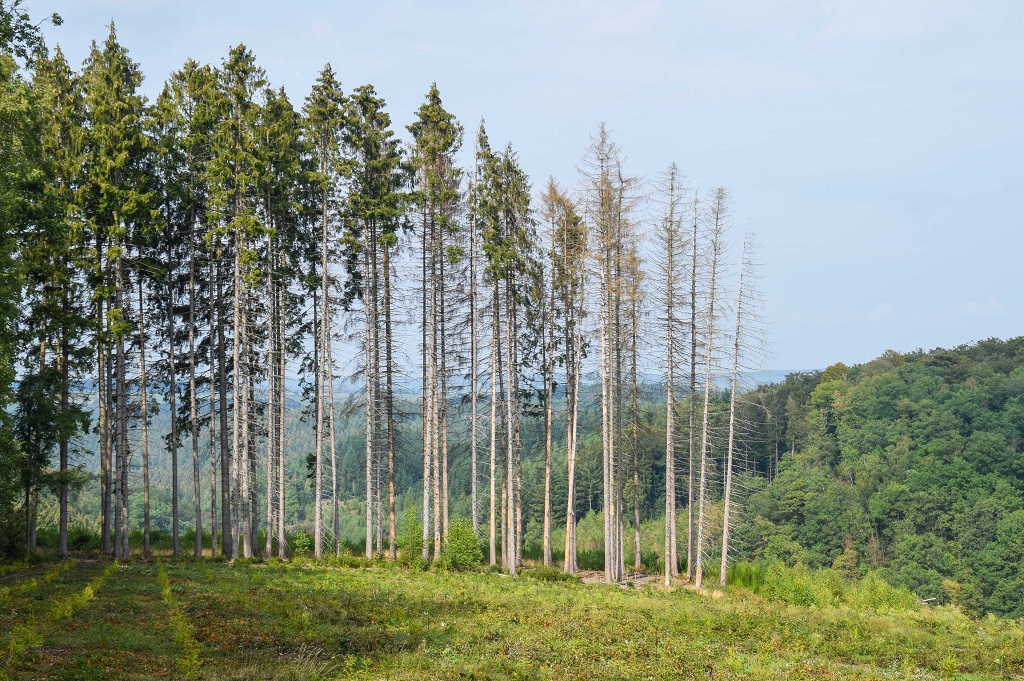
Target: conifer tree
[(323, 122), (373, 214), (57, 267), (437, 137), (233, 174), (118, 206)]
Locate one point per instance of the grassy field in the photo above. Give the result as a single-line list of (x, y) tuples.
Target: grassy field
[(90, 619)]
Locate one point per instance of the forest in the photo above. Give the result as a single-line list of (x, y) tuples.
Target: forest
[(220, 254), (238, 327)]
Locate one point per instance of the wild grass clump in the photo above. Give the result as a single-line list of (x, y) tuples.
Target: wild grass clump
[(746, 575)]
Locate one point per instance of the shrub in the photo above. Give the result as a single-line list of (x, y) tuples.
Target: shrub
[(462, 548), (410, 537), (301, 543), (789, 585)]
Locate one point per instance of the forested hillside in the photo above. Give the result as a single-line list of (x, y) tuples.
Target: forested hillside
[(912, 464)]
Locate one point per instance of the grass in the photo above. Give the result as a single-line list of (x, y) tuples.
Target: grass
[(212, 620)]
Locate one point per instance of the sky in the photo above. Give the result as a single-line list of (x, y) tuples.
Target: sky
[(875, 147)]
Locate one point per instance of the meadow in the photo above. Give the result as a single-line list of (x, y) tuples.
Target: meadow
[(161, 618)]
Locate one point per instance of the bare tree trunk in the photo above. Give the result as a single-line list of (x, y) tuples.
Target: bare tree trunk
[(245, 452), (495, 352), (213, 422), (193, 407), (65, 403), (709, 343), (548, 401), (282, 543), (272, 311), (443, 388), (121, 420), (389, 405), (692, 396), (425, 390), (172, 405), (474, 473), (511, 398), (744, 263), (226, 454), (145, 427), (336, 520)]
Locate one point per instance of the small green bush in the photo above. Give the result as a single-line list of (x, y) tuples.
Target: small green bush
[(461, 550), (410, 537)]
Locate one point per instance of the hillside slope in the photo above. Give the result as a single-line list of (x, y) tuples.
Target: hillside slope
[(912, 464)]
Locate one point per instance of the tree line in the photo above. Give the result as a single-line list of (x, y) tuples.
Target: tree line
[(194, 252)]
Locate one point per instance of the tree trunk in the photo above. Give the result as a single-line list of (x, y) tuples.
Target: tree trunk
[(193, 408), (145, 428), (227, 536)]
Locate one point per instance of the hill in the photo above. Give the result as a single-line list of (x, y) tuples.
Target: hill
[(911, 465)]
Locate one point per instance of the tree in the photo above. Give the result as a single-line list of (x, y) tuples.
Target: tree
[(718, 221), (118, 203), (671, 243), (374, 215), (748, 339), (233, 172), (437, 137), (53, 254), (610, 201)]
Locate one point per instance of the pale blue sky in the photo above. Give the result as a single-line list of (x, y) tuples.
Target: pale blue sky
[(875, 146)]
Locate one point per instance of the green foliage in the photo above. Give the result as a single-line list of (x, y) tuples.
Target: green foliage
[(746, 575), (461, 550), (828, 588), (551, 574), (410, 537), (909, 466), (301, 544)]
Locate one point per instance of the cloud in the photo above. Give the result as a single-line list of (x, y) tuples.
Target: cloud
[(976, 309)]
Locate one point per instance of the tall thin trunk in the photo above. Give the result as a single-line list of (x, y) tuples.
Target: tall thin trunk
[(272, 312), (548, 401), (282, 543), (709, 344), (368, 346), (495, 352), (145, 427), (425, 390), (192, 397), (474, 473), (172, 405), (103, 401), (670, 405), (121, 419), (389, 403), (443, 387), (63, 358), (635, 418), (723, 573), (510, 399), (227, 536), (335, 519), (244, 463), (691, 398)]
